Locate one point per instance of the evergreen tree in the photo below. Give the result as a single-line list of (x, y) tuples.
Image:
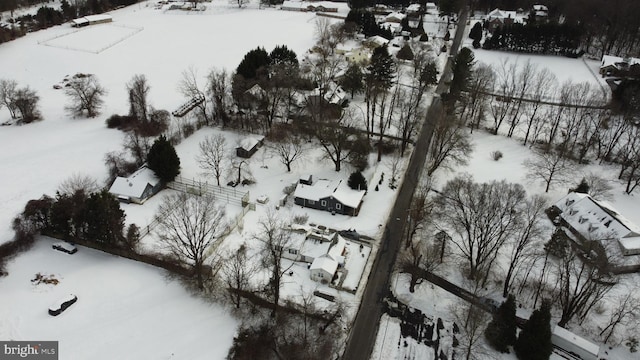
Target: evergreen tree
[(105, 219), (163, 160), (534, 342), (253, 61), (357, 181), (281, 54), (462, 69), (429, 74), (405, 53), (501, 331), (353, 79), (582, 188), (476, 34), (381, 69), (558, 245)]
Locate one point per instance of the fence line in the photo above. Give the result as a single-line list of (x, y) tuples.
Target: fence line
[(191, 186)]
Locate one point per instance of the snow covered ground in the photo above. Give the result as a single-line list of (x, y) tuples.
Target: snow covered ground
[(119, 300), (125, 309), (434, 302)]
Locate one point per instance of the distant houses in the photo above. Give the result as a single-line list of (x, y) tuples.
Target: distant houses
[(322, 6), (334, 197), (136, 188)]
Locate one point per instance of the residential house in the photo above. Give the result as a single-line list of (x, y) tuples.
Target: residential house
[(590, 219), (414, 8), (138, 187), (394, 17), (540, 11), (248, 146), (323, 250), (497, 18), (618, 66), (335, 197)]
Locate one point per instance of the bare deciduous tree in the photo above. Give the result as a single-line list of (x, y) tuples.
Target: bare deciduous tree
[(626, 308), (550, 166), (482, 217), (138, 146), (275, 240), (26, 104), (544, 84), (474, 320), (78, 182), (238, 270), (85, 95), (190, 89), (526, 237), (8, 90), (213, 155), (138, 90), (187, 226), (450, 144), (286, 145), (219, 90), (599, 188), (580, 286), (474, 104)]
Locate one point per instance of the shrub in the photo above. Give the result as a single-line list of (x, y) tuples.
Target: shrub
[(121, 122), (357, 181), (188, 130), (496, 155), (300, 219)]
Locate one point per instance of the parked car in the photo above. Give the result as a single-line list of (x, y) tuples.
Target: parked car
[(65, 247), (62, 304)]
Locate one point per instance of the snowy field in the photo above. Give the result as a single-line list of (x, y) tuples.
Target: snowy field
[(39, 156), (125, 309), (93, 39)]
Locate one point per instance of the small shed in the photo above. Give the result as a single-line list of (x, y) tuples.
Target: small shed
[(306, 179), (138, 187), (248, 146)]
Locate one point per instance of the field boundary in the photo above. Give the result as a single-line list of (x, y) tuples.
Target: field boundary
[(111, 44)]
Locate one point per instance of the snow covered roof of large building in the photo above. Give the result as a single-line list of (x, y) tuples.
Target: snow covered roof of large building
[(135, 184), (505, 14), (609, 60), (589, 216)]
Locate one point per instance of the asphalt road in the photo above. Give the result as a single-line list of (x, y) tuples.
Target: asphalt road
[(365, 326)]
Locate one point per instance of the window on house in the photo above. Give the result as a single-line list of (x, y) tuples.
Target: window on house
[(323, 203), (582, 220), (338, 206), (569, 202), (311, 202), (293, 251)]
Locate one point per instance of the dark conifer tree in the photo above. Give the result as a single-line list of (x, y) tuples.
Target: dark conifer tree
[(105, 219), (501, 331), (357, 181), (163, 160), (534, 342)]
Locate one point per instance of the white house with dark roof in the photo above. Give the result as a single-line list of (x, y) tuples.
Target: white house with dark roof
[(596, 220), (617, 66), (136, 188), (333, 196)]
